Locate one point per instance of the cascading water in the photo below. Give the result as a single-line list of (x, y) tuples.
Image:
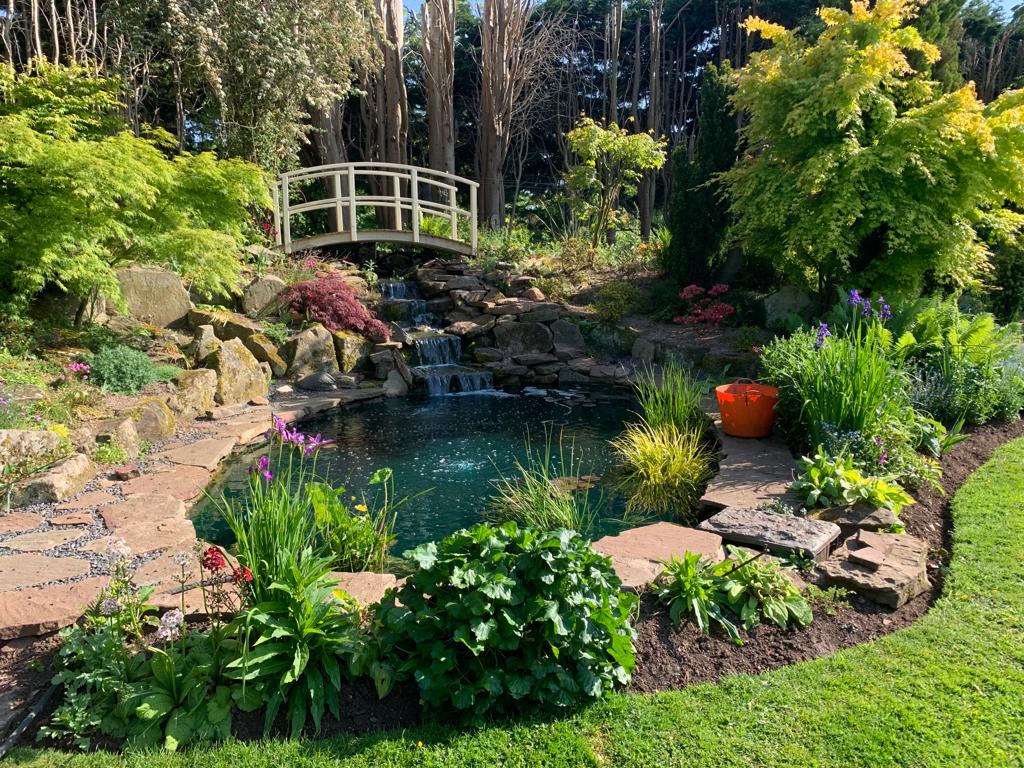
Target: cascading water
[(406, 297)]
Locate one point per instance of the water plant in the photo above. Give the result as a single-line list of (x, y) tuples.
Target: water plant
[(672, 398)]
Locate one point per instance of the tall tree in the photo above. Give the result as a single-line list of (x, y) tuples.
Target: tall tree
[(439, 81)]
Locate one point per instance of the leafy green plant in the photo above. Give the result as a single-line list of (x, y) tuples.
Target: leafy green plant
[(616, 300), (675, 398), (827, 481), (934, 438), (829, 600), (508, 619), (664, 469), (277, 332), (125, 370), (757, 589), (110, 453), (297, 645), (694, 587), (546, 491)]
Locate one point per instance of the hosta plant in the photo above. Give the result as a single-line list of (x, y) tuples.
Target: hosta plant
[(508, 619), (691, 586), (829, 481), (757, 589)]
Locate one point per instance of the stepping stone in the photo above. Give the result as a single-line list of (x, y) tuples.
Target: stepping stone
[(364, 586), (639, 555), (182, 482), (751, 472), (42, 540), (164, 570), (147, 536), (19, 521), (74, 518), (856, 517), (30, 570), (207, 454), (147, 508), (90, 500), (778, 533), (897, 571), (39, 610)]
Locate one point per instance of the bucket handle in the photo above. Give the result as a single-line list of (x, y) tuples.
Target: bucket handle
[(746, 394)]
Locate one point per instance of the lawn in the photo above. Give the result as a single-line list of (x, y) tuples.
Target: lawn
[(947, 691)]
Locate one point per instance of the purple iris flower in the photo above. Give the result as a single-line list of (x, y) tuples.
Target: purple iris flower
[(866, 310), (855, 297), (823, 334)]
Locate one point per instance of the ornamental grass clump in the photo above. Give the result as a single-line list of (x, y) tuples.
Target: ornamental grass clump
[(508, 620), (673, 399)]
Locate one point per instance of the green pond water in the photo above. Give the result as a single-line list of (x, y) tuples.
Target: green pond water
[(453, 446)]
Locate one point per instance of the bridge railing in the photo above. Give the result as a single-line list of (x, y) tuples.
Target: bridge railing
[(405, 193)]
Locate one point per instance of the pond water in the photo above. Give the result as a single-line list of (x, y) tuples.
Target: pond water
[(453, 447)]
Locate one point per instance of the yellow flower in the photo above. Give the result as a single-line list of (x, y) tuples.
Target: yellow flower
[(361, 507), (419, 744)]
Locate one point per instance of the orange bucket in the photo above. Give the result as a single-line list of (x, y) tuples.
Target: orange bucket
[(748, 409)]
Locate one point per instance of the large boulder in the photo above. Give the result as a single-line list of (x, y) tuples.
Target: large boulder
[(261, 294), (788, 306), (352, 350), (153, 419), (239, 376), (568, 336), (521, 338), (26, 446), (61, 481), (121, 432), (195, 392), (154, 295), (311, 351), (204, 343), (265, 350)]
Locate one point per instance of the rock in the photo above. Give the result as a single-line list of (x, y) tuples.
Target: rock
[(644, 350), (40, 610), (470, 329), (73, 518), (176, 534), (221, 412), (582, 364), (518, 284), (194, 392), (27, 446), (520, 338), (353, 351), (398, 333), (31, 570), (154, 295), (19, 521), (535, 358), (125, 472), (639, 555), (239, 376), (891, 572), (321, 381), (261, 293), (856, 517), (788, 306), (507, 368), (364, 586), (181, 482), (235, 326), (439, 305), (542, 313), (120, 432), (533, 294), (395, 384), (487, 354), (147, 508), (43, 540), (568, 335), (751, 473), (347, 380), (777, 533), (64, 479), (464, 283), (153, 419), (207, 454), (508, 306), (259, 401), (568, 376), (91, 500), (204, 344), (265, 350), (311, 351)]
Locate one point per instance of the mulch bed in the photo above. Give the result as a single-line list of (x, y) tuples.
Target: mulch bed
[(668, 657)]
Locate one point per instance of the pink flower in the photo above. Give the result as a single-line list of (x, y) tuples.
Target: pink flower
[(213, 560)]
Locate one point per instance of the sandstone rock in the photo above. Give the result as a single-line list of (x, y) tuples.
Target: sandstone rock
[(28, 446), (395, 385), (508, 306), (176, 534), (121, 432), (40, 610), (207, 454), (125, 472), (353, 351), (535, 358), (439, 305), (533, 294), (147, 508), (19, 521), (200, 317), (204, 344), (568, 335), (568, 376), (261, 400), (542, 312), (895, 571), (43, 540), (181, 482), (311, 351), (520, 338), (261, 293), (320, 381), (265, 350), (364, 586), (64, 479), (73, 518), (194, 392), (463, 283), (154, 295), (470, 329), (30, 570), (639, 554), (153, 419), (239, 376), (582, 364), (507, 368), (777, 533), (856, 517), (91, 500)]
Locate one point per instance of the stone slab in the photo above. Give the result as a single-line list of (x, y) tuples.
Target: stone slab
[(639, 555), (857, 517), (19, 521), (751, 472), (30, 570), (182, 482), (39, 610), (90, 500), (42, 540), (774, 532), (901, 575), (364, 586), (145, 508), (73, 518), (147, 536), (207, 454)]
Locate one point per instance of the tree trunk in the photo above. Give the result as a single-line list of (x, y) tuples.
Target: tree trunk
[(647, 184), (439, 76)]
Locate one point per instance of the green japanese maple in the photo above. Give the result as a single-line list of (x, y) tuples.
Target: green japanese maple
[(857, 164)]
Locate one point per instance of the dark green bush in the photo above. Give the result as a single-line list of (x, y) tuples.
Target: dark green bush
[(125, 370), (616, 300), (508, 619)]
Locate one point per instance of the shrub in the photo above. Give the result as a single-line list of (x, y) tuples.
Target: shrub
[(704, 306), (827, 481), (616, 300), (332, 302), (125, 370), (665, 469), (509, 619), (692, 586)]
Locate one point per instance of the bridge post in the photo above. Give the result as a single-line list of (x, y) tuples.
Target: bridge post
[(414, 180), (352, 202), (286, 218), (396, 190), (472, 217), (339, 208)]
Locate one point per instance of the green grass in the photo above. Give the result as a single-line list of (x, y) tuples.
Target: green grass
[(947, 691)]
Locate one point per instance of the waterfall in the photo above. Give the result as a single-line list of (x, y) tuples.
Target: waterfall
[(397, 289), (449, 379), (439, 350), (407, 296)]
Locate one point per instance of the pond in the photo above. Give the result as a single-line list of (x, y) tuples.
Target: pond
[(452, 448)]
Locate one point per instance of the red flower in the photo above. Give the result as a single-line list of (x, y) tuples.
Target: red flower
[(213, 560), (241, 575)]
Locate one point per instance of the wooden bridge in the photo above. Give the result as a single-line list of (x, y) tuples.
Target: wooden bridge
[(409, 205)]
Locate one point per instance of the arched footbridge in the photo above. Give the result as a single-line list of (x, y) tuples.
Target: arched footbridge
[(370, 202)]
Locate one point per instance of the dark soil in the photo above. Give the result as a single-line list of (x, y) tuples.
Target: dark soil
[(672, 657), (668, 657)]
